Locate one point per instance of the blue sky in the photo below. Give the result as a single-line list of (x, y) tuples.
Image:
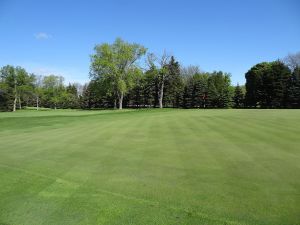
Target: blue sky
[(58, 36)]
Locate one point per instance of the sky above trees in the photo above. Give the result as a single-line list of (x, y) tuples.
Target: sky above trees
[(58, 37)]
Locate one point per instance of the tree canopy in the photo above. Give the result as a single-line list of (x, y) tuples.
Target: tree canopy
[(117, 63), (118, 76)]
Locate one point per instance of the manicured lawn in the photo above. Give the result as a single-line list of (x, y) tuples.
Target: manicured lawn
[(150, 167)]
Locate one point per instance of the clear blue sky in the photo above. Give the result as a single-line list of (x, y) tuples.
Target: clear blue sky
[(58, 36)]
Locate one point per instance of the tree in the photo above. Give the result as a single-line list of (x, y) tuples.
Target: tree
[(9, 77), (135, 97), (70, 97), (5, 97), (116, 62), (195, 92), (280, 74), (53, 87), (254, 84), (17, 83), (238, 98), (159, 68), (218, 90), (151, 89), (71, 89), (26, 87), (96, 95), (190, 71), (174, 83), (294, 89), (38, 90), (292, 61), (267, 85)]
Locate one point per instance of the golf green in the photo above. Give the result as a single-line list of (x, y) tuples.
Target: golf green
[(150, 167)]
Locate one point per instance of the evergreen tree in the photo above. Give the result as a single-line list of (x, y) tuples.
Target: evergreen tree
[(294, 89), (219, 90), (200, 90), (5, 100), (151, 89), (281, 75), (254, 84), (174, 84), (135, 97), (238, 97), (267, 85)]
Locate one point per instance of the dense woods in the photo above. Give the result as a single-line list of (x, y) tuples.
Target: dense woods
[(120, 78)]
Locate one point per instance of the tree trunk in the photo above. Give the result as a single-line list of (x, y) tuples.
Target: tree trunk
[(16, 96), (20, 104), (15, 104), (115, 103), (37, 102), (160, 96), (120, 101)]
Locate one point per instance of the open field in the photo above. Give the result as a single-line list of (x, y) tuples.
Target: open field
[(150, 167)]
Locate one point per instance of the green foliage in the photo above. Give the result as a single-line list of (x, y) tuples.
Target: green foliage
[(267, 85), (53, 90), (294, 89), (239, 95), (5, 99), (19, 87), (174, 84), (116, 63), (219, 90), (117, 78), (196, 91), (17, 84), (96, 95)]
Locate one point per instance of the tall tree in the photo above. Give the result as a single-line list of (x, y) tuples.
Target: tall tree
[(219, 90), (294, 89), (267, 85), (254, 84), (238, 98), (16, 80), (53, 88), (280, 74), (26, 86), (174, 83), (159, 67), (116, 63), (38, 90), (196, 90), (5, 97), (135, 97)]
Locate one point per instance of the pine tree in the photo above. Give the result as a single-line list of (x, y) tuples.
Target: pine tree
[(281, 75), (267, 85), (238, 97), (219, 90), (294, 89), (174, 84)]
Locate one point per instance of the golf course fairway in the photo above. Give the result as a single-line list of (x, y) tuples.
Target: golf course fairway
[(150, 167)]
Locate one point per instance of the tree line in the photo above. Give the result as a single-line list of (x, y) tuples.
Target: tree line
[(119, 78), (20, 89)]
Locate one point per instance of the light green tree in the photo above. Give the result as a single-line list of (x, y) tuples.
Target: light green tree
[(53, 87), (17, 82), (116, 63)]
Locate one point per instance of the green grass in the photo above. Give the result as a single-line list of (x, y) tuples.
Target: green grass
[(167, 167)]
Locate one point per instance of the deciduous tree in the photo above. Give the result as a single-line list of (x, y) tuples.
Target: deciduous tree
[(115, 63)]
